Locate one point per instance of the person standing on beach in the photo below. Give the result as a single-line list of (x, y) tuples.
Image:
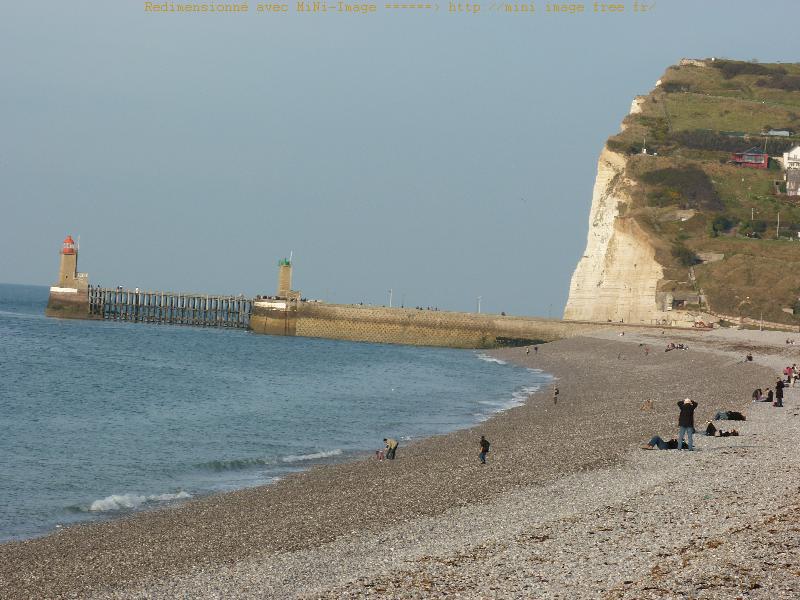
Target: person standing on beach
[(391, 447), (528, 351), (484, 445), (779, 393), (555, 395), (686, 422)]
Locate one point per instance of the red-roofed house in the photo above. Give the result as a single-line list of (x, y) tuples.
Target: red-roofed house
[(753, 158)]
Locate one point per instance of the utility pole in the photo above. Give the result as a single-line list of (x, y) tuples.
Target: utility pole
[(479, 304), (778, 227), (390, 297)]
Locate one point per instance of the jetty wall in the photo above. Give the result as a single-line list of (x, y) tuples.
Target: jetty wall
[(408, 326), (68, 303)]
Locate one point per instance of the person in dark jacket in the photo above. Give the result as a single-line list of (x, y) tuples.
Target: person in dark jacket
[(778, 393), (391, 447), (484, 446), (657, 442), (686, 422)]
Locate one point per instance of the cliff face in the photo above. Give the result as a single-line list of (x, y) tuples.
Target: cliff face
[(689, 225), (618, 275)]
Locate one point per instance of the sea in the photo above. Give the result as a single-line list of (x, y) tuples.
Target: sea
[(101, 418)]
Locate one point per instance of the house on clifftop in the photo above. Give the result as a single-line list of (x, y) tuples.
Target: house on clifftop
[(754, 158), (791, 162)]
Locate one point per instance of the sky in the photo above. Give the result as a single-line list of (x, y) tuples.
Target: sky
[(442, 155)]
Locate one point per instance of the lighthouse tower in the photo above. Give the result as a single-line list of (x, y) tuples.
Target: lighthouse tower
[(69, 297), (284, 278), (68, 271)]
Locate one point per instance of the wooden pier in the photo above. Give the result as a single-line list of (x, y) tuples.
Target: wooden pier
[(169, 308)]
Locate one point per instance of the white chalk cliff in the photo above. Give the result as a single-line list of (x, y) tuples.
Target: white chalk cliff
[(617, 277)]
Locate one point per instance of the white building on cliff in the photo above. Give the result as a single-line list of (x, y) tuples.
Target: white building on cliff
[(791, 162)]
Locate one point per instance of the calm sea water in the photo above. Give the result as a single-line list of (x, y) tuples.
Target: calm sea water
[(102, 418)]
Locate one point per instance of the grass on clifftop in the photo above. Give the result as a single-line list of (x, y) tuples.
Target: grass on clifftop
[(695, 203)]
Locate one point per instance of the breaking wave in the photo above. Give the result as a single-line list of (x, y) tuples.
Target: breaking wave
[(117, 502), (236, 464), (312, 456), (491, 359), (518, 398)]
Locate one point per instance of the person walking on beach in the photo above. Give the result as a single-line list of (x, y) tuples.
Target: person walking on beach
[(686, 422), (555, 395), (528, 351), (484, 445), (391, 447)]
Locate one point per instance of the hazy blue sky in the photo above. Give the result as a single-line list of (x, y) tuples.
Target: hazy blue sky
[(445, 156)]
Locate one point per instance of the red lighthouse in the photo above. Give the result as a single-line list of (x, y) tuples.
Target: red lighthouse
[(69, 246), (68, 271), (69, 297)]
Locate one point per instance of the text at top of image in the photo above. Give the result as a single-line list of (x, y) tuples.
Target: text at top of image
[(314, 7)]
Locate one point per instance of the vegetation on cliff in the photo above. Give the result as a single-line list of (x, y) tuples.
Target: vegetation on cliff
[(722, 230)]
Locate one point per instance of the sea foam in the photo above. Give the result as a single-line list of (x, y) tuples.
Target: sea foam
[(312, 456), (130, 501), (491, 359), (518, 398)]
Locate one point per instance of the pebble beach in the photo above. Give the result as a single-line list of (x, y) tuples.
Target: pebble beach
[(568, 506)]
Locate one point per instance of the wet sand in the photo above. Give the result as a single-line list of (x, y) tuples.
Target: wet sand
[(435, 522)]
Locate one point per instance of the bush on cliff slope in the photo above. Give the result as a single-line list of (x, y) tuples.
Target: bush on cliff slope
[(731, 69), (684, 255), (688, 187), (707, 139)]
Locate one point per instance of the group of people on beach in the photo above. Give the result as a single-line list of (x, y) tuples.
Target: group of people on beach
[(776, 398), (686, 428), (685, 440), (687, 407), (674, 346)]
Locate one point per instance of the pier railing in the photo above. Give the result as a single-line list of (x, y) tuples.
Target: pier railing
[(170, 307)]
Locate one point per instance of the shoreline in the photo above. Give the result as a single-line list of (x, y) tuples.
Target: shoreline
[(536, 446), (485, 411)]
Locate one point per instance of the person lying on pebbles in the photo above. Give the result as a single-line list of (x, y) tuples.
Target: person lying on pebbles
[(712, 431), (657, 442)]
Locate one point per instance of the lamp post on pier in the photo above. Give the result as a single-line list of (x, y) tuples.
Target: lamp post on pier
[(479, 304)]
